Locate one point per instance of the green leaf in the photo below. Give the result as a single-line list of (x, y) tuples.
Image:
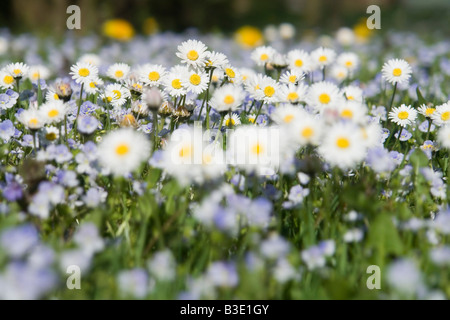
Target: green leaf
[(418, 159), (420, 99)]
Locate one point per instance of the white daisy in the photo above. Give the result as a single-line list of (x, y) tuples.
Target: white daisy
[(287, 114), (292, 77), (353, 111), (323, 95), (17, 70), (92, 85), (216, 60), (233, 121), (123, 150), (307, 130), (339, 72), (322, 57), (195, 81), (194, 53), (403, 115), (151, 74), (6, 80), (246, 74), (443, 136), (269, 90), (32, 119), (118, 71), (427, 110), (299, 60), (116, 95), (348, 60), (372, 134), (226, 98), (263, 55), (341, 147), (91, 58), (253, 85), (442, 114), (51, 95), (83, 72), (353, 93), (292, 93), (232, 74), (53, 111), (396, 71), (172, 82), (38, 72)]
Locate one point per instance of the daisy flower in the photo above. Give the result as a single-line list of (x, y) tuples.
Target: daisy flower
[(263, 55), (195, 81), (339, 73), (38, 72), (17, 70), (116, 95), (353, 111), (246, 74), (348, 60), (53, 111), (251, 117), (232, 74), (269, 90), (51, 133), (396, 71), (118, 71), (226, 98), (32, 119), (353, 93), (372, 135), (292, 93), (322, 57), (92, 85), (216, 60), (253, 85), (403, 115), (426, 110), (123, 150), (306, 131), (151, 74), (341, 147), (323, 94), (51, 95), (194, 53), (83, 72), (299, 61), (442, 114), (278, 60), (292, 77), (91, 58), (172, 82), (287, 114), (139, 107), (443, 136), (6, 80), (233, 121)]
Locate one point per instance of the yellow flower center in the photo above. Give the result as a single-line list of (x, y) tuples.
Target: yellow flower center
[(229, 99), (214, 78), (55, 96), (230, 73), (192, 55), (8, 79), (35, 75), (307, 132), (343, 143), (292, 96), (109, 99), (119, 74), (347, 114), (397, 72), (292, 79), (445, 116), (53, 113), (264, 57), (349, 64), (92, 85), (227, 123), (350, 98), (195, 79), (207, 158), (269, 91), (324, 98), (33, 122), (322, 58), (251, 119), (257, 149), (429, 111), (51, 136), (122, 149), (288, 118), (298, 63), (117, 93), (185, 152), (84, 72), (176, 83), (17, 71), (153, 76), (403, 115)]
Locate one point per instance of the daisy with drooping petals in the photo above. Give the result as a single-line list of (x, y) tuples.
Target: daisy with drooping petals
[(116, 95), (442, 114), (348, 60), (396, 71), (53, 111), (32, 119), (426, 110), (195, 81), (194, 53), (287, 114), (292, 93), (299, 60), (123, 150), (82, 72), (322, 57), (263, 55), (6, 80), (227, 98), (292, 77), (232, 121), (341, 147), (118, 71), (403, 115), (17, 70), (323, 95), (151, 74)]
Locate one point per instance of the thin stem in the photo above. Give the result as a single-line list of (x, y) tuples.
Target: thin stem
[(429, 128), (251, 107), (323, 74), (220, 126), (79, 107), (392, 99), (398, 138), (206, 96), (108, 117), (259, 111), (155, 129), (230, 122)]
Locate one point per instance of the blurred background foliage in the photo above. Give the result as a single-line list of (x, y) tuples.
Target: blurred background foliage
[(146, 16)]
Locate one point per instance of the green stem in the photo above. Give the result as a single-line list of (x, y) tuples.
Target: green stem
[(220, 126), (206, 96), (323, 74), (392, 99), (230, 123), (155, 129), (429, 128), (259, 111), (398, 138)]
